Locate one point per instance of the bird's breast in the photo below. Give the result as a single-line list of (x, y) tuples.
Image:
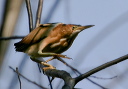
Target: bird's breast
[(56, 47), (62, 42)]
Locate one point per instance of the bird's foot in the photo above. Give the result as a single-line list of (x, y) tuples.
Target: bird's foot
[(56, 56), (49, 59), (47, 54), (47, 66)]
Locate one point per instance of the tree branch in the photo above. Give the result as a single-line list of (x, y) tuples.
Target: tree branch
[(108, 64), (13, 37), (39, 11), (18, 76), (71, 82), (27, 78), (30, 17), (75, 70)]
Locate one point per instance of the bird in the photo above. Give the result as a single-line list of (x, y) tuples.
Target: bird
[(49, 40)]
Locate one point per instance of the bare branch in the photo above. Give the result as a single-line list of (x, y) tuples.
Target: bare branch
[(30, 17), (108, 64), (75, 70), (18, 76), (50, 82), (13, 37), (69, 81), (27, 78), (39, 11), (103, 78)]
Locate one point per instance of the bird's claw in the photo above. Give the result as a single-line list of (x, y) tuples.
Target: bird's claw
[(47, 66), (63, 56)]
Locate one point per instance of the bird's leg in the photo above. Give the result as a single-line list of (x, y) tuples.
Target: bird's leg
[(52, 54), (47, 66), (35, 60), (58, 58), (46, 54), (50, 59)]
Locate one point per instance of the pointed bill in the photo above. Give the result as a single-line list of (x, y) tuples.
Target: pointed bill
[(81, 28)]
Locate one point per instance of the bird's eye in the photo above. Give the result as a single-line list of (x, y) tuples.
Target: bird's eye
[(74, 27)]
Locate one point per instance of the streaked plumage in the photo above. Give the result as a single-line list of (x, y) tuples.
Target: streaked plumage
[(49, 38)]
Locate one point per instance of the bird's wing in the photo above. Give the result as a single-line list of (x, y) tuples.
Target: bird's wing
[(34, 36)]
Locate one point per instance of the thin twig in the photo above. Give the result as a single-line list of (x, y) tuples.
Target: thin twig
[(50, 83), (27, 78), (39, 11), (103, 78), (30, 17), (18, 76), (13, 37)]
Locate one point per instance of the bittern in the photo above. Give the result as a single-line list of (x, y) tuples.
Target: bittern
[(49, 39)]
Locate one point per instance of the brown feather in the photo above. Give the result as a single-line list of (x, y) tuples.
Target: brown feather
[(34, 36)]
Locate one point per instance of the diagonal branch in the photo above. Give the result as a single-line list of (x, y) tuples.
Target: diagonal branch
[(75, 70), (71, 82), (103, 66)]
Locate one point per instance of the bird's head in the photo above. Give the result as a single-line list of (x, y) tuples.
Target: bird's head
[(68, 29), (77, 29)]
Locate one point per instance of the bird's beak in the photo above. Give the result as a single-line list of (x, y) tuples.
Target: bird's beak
[(81, 28)]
